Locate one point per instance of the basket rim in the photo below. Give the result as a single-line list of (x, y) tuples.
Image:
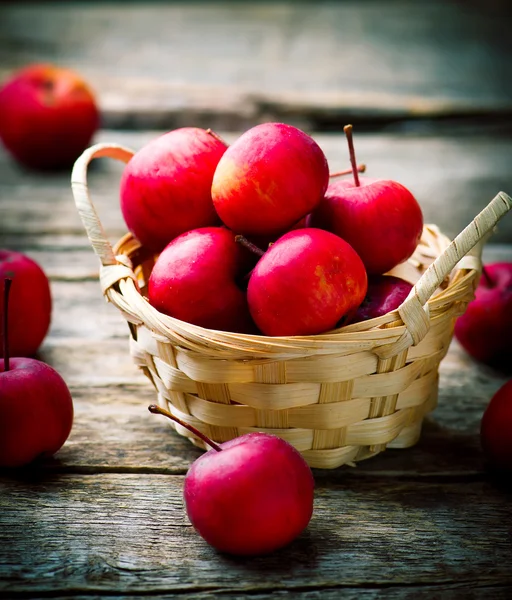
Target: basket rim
[(123, 291)]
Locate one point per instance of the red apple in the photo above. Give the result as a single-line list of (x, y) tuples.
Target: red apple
[(166, 186), (48, 116), (305, 283), (271, 177), (379, 218), (251, 495), (31, 296), (36, 409), (385, 293), (195, 279), (485, 329), (496, 428)]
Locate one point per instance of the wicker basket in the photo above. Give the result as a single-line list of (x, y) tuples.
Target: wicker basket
[(339, 397)]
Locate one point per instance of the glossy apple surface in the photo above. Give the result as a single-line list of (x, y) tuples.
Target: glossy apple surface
[(48, 116), (380, 219), (385, 293), (252, 497), (305, 283), (195, 279), (496, 428), (485, 329), (31, 302), (166, 187), (36, 411), (268, 179)]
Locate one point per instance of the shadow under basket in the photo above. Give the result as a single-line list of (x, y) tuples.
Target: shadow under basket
[(339, 397)]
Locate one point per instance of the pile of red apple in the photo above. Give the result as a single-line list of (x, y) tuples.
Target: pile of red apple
[(258, 238)]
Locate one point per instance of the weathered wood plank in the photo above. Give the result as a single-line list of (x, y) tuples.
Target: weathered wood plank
[(463, 591), (130, 533), (164, 64), (452, 177)]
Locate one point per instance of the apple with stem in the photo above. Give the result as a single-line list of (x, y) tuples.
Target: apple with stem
[(195, 279), (166, 186), (379, 218), (48, 116), (248, 496), (305, 283), (485, 328), (268, 179), (36, 409), (31, 295)]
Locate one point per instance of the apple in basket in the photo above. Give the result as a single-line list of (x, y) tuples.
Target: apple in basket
[(48, 116), (195, 279), (268, 179), (305, 283), (385, 293), (379, 218), (31, 296), (251, 495), (166, 186), (485, 329), (36, 409)]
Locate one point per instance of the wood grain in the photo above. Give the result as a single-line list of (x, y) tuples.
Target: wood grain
[(130, 532), (234, 64), (453, 178)]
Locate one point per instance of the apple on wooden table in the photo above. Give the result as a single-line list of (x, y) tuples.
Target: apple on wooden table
[(251, 495), (31, 297), (48, 115), (36, 408), (485, 328)]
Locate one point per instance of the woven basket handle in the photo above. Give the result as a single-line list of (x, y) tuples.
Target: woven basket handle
[(414, 310), (83, 201)]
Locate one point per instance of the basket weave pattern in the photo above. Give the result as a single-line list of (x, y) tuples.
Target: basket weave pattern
[(338, 397)]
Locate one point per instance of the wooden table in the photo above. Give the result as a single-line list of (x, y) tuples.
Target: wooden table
[(105, 517)]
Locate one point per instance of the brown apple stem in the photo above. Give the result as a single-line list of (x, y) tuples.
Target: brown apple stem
[(348, 132), (217, 137), (153, 408), (7, 288), (360, 169), (487, 277), (243, 241)]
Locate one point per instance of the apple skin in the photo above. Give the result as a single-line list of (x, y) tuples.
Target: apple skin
[(495, 429), (166, 186), (31, 302), (36, 411), (195, 280), (252, 497), (485, 329), (380, 219), (268, 179), (48, 116), (385, 293), (305, 283)]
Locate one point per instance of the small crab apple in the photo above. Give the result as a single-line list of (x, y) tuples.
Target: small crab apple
[(31, 295), (268, 179), (166, 186), (379, 218), (36, 409), (48, 115), (251, 495)]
